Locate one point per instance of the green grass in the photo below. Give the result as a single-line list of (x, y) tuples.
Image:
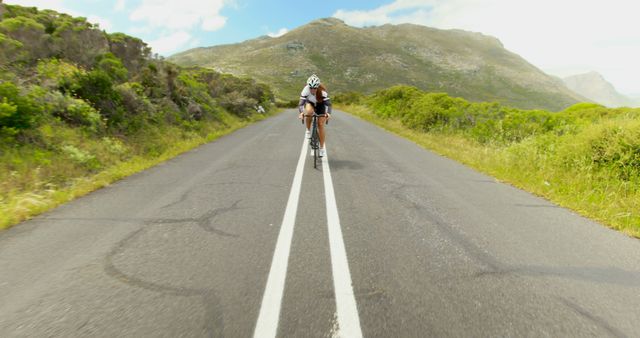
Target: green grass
[(560, 168), (35, 180)]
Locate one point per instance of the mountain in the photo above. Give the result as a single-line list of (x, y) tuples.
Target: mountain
[(466, 64), (593, 86), (635, 100)]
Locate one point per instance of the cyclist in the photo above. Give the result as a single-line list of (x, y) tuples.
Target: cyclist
[(315, 99)]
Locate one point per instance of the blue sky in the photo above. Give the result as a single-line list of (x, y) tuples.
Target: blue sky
[(561, 37), (239, 19)]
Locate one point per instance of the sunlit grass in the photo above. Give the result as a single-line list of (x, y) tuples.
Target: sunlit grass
[(34, 182), (551, 168)]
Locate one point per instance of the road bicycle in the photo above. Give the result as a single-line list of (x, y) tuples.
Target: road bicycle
[(314, 141)]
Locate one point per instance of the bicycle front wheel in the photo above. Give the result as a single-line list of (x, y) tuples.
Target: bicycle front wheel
[(315, 157)]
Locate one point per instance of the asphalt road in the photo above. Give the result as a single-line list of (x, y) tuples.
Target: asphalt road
[(408, 244)]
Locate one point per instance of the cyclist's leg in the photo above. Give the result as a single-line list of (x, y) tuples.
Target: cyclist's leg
[(321, 121), (308, 111)]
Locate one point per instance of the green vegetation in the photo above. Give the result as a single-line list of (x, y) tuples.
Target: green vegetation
[(586, 157), (80, 108)]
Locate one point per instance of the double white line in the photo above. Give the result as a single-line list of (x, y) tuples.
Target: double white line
[(348, 320)]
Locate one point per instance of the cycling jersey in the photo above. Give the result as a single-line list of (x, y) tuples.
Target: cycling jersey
[(321, 108)]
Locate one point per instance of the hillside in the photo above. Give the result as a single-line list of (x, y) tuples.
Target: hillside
[(80, 108), (593, 86), (470, 65)]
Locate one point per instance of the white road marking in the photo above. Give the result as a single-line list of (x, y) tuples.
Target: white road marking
[(348, 319), (267, 325)]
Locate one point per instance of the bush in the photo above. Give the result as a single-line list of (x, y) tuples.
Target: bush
[(134, 101), (53, 73), (483, 122), (238, 104), (7, 111), (583, 106), (19, 112), (114, 146), (431, 109), (97, 88), (29, 33), (72, 111), (113, 67), (287, 104), (349, 98), (81, 157), (11, 50), (616, 146), (394, 102)]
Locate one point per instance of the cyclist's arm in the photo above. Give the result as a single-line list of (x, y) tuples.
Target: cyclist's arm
[(327, 103), (301, 104), (303, 98)]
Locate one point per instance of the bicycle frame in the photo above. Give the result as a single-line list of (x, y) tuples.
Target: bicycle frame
[(314, 141)]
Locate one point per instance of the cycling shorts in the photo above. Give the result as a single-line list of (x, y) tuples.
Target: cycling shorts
[(319, 108)]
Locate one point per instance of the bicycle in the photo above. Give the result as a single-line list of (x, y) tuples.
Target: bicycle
[(314, 141)]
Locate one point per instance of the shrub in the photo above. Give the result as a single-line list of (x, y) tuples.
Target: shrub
[(81, 157), (617, 147), (7, 111), (114, 146), (287, 104), (54, 72), (611, 146), (20, 112), (11, 50), (431, 109), (72, 111), (29, 33), (97, 88), (349, 98), (80, 113), (132, 51), (394, 102), (113, 67), (238, 104), (133, 99), (583, 106)]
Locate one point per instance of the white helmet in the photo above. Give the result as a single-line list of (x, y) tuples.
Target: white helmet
[(313, 81)]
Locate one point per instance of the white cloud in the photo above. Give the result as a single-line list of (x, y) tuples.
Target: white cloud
[(556, 36), (178, 21), (180, 15), (281, 32), (194, 43), (170, 43), (140, 30), (214, 23), (120, 5)]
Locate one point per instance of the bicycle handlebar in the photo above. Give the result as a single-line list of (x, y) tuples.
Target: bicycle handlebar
[(303, 116)]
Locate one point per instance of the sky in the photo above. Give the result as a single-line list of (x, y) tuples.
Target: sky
[(561, 37)]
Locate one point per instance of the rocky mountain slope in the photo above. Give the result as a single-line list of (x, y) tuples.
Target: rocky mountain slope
[(595, 87), (470, 65)]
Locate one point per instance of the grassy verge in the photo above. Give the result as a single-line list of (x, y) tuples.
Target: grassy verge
[(35, 181), (546, 166)]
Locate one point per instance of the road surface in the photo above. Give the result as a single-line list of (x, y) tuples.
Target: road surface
[(242, 237)]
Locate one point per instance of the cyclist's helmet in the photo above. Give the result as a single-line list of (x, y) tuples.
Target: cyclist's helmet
[(313, 81)]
